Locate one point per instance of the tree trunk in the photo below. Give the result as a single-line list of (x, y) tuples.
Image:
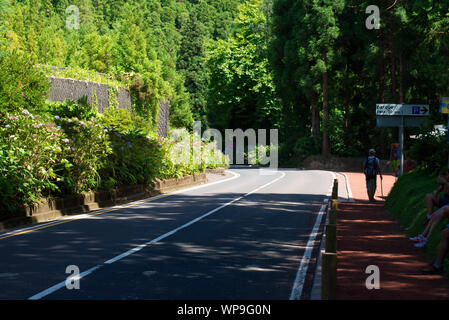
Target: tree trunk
[(401, 77), (315, 115), (392, 61), (326, 150), (347, 101), (382, 87), (382, 68)]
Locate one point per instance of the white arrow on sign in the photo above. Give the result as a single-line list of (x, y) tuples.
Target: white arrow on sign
[(415, 110)]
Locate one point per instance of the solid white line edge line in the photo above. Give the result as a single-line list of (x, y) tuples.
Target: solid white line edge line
[(298, 285)]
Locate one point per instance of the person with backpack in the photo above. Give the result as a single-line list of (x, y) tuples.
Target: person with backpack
[(372, 169)]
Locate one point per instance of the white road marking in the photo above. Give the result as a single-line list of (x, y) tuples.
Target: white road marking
[(298, 285), (302, 271), (62, 284), (348, 188), (140, 247)]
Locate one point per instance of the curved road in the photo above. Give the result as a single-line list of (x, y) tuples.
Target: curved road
[(249, 236)]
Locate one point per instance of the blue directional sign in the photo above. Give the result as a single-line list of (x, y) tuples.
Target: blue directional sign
[(416, 110)]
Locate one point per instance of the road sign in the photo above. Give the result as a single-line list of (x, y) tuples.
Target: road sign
[(415, 110), (444, 106), (397, 121), (388, 109), (402, 110), (401, 115)]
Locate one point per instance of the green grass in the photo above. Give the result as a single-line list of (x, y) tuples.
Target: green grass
[(77, 73), (406, 203)]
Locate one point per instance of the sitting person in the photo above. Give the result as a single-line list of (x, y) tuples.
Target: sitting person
[(443, 211), (437, 267), (432, 199)]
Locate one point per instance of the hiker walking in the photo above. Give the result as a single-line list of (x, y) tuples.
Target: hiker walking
[(371, 169)]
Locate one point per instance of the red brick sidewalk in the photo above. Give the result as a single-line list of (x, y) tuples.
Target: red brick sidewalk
[(368, 235)]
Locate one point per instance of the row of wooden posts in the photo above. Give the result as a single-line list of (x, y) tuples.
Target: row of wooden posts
[(329, 254)]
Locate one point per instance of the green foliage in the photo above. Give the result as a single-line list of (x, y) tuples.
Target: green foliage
[(78, 73), (191, 62), (139, 159), (241, 89), (85, 149), (306, 146), (30, 156), (430, 151), (406, 203), (22, 85), (79, 109), (136, 159), (122, 121)]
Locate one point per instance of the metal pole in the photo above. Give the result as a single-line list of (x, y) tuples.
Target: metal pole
[(401, 137)]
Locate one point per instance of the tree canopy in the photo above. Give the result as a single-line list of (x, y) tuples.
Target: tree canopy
[(311, 69)]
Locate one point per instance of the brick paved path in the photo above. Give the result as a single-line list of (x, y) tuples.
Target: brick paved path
[(369, 235)]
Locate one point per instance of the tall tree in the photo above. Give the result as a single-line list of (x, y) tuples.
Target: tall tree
[(302, 56), (242, 94), (191, 62)]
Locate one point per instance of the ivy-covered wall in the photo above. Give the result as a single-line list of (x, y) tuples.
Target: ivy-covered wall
[(98, 94)]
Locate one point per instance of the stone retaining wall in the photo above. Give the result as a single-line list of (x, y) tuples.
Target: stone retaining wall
[(62, 89), (341, 164)]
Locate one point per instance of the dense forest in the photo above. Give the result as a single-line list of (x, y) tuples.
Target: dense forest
[(311, 69)]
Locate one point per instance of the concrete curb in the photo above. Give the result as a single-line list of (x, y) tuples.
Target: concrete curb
[(54, 209)]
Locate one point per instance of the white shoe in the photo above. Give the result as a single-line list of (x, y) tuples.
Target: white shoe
[(421, 243), (418, 238)]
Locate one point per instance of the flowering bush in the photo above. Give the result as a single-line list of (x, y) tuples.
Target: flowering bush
[(52, 155), (190, 154), (138, 158), (85, 149), (134, 160), (30, 156)]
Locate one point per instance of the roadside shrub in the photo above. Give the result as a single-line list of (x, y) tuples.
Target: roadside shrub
[(254, 154), (192, 155), (30, 157), (212, 157), (135, 159), (72, 109), (307, 146), (430, 151), (121, 120), (85, 149)]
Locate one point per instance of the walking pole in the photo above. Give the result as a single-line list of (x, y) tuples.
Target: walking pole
[(382, 187)]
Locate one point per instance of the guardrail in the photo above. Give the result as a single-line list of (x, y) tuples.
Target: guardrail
[(329, 255)]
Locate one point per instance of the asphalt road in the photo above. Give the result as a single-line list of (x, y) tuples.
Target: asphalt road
[(249, 236)]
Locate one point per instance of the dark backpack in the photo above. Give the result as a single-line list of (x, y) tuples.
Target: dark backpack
[(371, 167)]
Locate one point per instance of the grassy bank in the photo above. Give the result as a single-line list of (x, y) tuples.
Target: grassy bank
[(406, 203)]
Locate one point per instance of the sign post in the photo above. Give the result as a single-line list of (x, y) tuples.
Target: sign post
[(444, 109), (401, 115), (401, 141)]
